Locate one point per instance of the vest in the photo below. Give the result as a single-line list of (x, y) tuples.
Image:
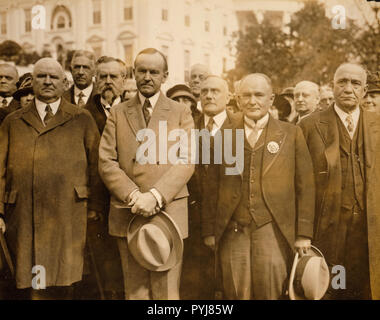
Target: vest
[(252, 205), (352, 164)]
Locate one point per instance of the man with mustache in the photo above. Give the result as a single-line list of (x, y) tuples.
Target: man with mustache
[(306, 99), (344, 143), (102, 248), (82, 70), (110, 81), (256, 217)]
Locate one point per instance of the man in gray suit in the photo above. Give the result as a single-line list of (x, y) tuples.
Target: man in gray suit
[(145, 188)]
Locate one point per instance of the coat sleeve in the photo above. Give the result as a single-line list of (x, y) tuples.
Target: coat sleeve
[(114, 177), (97, 197), (176, 177), (305, 187), (4, 141)]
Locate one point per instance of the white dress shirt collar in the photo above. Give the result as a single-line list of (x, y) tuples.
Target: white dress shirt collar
[(9, 99), (249, 124), (41, 106), (199, 107), (153, 99), (86, 93), (107, 107), (343, 116), (218, 121)]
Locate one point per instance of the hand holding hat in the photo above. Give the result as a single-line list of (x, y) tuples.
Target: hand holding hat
[(144, 204), (302, 245), (310, 277)]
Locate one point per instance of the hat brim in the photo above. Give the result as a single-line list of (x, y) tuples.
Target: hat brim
[(377, 90), (176, 253), (292, 294), (183, 93), (22, 92)]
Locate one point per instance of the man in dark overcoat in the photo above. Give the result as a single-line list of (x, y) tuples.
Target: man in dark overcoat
[(48, 184), (344, 145)]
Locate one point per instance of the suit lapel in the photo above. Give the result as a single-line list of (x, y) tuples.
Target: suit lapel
[(237, 123), (160, 113), (370, 132), (274, 135), (134, 115), (328, 130)]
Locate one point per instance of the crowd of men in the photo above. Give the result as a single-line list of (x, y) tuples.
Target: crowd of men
[(78, 199)]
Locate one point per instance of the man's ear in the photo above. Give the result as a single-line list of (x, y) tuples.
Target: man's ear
[(365, 90), (166, 75), (229, 97), (272, 98)]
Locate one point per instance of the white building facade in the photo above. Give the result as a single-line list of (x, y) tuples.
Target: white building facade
[(186, 31)]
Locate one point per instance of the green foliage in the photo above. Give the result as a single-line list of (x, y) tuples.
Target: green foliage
[(10, 51), (310, 49)]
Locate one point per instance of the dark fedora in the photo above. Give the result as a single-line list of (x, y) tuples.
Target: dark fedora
[(310, 277), (373, 82), (24, 86), (155, 242), (181, 90), (288, 92)]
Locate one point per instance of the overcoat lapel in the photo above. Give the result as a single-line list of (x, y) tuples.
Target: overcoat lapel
[(31, 116), (328, 129), (370, 128), (64, 114)]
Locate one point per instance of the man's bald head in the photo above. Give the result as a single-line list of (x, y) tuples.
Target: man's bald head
[(350, 86), (198, 73), (8, 79), (255, 95), (306, 97), (251, 77), (48, 80), (352, 67)]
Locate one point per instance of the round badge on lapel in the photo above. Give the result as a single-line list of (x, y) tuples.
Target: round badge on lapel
[(273, 147)]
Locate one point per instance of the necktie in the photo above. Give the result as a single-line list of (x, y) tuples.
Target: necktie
[(210, 124), (81, 102), (4, 103), (350, 124), (146, 107), (49, 114), (107, 110), (253, 136)]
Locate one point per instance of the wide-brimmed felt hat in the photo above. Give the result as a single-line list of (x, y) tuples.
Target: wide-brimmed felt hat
[(288, 92), (181, 90), (24, 86), (310, 277), (373, 82), (155, 242)]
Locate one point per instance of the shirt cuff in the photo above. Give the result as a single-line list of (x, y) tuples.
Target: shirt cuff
[(158, 197), (129, 198)]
